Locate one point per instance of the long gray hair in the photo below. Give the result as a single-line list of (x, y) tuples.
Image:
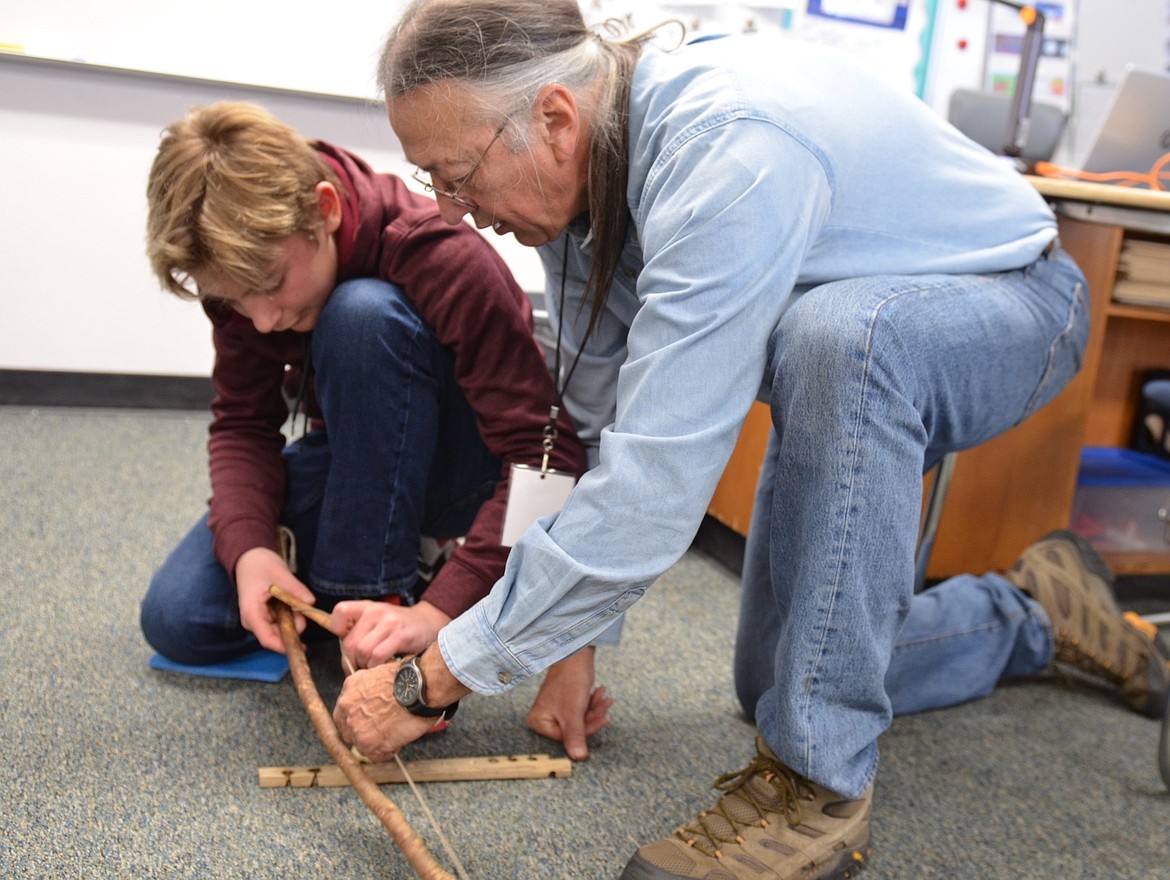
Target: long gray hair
[(507, 51)]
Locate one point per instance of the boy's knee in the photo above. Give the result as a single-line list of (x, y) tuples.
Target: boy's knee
[(363, 320), (186, 641), (161, 627), (179, 625), (360, 303)]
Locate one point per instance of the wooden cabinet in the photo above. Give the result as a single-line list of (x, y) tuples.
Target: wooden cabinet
[(732, 502), (1012, 490)]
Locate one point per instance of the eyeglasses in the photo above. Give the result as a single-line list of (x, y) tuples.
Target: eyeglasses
[(453, 194)]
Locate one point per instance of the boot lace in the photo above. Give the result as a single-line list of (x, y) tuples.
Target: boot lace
[(721, 825)]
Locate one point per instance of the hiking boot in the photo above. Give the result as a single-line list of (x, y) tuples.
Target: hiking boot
[(1074, 586), (770, 822)]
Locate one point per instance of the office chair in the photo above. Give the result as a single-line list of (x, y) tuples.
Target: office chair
[(984, 118)]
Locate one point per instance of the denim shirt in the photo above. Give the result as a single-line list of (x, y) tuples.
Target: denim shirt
[(759, 167)]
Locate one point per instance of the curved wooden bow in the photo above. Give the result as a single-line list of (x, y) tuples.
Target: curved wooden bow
[(381, 806)]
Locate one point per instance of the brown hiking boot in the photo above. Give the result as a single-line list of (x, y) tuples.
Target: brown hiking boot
[(1074, 586), (769, 822)]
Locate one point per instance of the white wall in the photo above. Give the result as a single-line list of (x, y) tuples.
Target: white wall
[(258, 42), (1107, 34), (76, 291), (1110, 34)]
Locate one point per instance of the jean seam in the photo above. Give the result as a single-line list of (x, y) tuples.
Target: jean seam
[(812, 678), (1054, 346)]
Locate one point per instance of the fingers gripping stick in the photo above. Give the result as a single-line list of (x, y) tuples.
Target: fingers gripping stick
[(319, 617)]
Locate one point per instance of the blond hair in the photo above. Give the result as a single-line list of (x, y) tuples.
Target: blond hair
[(229, 183)]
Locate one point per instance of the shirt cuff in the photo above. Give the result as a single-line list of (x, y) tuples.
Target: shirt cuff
[(477, 658), (612, 636)]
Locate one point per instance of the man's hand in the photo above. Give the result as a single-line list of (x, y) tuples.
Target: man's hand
[(568, 708), (374, 632), (255, 570), (370, 719)]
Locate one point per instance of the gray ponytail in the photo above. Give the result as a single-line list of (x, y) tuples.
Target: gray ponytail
[(507, 51)]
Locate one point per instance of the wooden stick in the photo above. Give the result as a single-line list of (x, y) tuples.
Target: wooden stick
[(381, 806), (433, 770), (319, 617)]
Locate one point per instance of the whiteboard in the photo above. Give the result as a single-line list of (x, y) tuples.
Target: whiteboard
[(327, 48), (332, 48)]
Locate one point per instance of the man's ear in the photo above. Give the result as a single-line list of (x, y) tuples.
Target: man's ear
[(329, 203), (558, 112)]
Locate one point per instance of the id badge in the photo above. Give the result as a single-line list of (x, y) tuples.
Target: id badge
[(531, 495)]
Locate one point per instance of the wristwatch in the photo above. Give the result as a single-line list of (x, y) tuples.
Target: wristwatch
[(410, 689)]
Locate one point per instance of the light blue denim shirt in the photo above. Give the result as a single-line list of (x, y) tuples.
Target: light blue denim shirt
[(758, 168)]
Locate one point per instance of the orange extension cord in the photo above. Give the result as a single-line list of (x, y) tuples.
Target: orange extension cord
[(1156, 178)]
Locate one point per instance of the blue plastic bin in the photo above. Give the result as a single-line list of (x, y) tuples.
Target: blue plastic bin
[(1121, 498)]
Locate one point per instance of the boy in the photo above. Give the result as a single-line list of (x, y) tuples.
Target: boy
[(406, 346)]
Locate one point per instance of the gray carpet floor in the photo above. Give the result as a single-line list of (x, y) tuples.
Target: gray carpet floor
[(114, 770)]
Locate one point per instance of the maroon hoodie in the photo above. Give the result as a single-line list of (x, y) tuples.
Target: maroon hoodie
[(463, 291)]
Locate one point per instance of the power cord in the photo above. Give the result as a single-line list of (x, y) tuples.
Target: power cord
[(1157, 178)]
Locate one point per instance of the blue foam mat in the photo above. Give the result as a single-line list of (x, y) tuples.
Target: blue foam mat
[(260, 665)]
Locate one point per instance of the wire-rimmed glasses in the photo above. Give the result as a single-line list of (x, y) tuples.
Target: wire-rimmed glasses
[(453, 194)]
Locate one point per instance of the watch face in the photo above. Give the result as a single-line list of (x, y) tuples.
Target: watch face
[(406, 685)]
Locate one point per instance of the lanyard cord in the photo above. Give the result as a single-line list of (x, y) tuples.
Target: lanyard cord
[(550, 430), (301, 405)]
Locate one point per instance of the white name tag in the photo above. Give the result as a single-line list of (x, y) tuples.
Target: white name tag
[(531, 495)]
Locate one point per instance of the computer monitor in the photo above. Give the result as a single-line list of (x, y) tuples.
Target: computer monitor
[(1134, 133)]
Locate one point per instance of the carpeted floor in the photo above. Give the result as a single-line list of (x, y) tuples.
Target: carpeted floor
[(115, 770)]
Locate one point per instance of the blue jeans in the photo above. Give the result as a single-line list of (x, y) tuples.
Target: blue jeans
[(873, 380), (401, 457)]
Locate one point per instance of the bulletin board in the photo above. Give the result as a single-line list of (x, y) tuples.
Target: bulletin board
[(891, 37), (328, 49), (1054, 72)]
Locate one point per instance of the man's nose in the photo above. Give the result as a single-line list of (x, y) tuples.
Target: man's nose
[(452, 212)]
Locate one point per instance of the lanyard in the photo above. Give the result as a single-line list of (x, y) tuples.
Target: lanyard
[(554, 411)]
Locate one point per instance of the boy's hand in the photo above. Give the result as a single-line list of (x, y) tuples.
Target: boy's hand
[(255, 570), (375, 632), (568, 708)]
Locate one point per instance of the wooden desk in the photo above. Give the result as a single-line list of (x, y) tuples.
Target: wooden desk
[(1009, 492)]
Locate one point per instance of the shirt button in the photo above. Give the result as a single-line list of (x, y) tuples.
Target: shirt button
[(505, 677)]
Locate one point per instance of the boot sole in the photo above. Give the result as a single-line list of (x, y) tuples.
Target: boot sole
[(1159, 695)]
